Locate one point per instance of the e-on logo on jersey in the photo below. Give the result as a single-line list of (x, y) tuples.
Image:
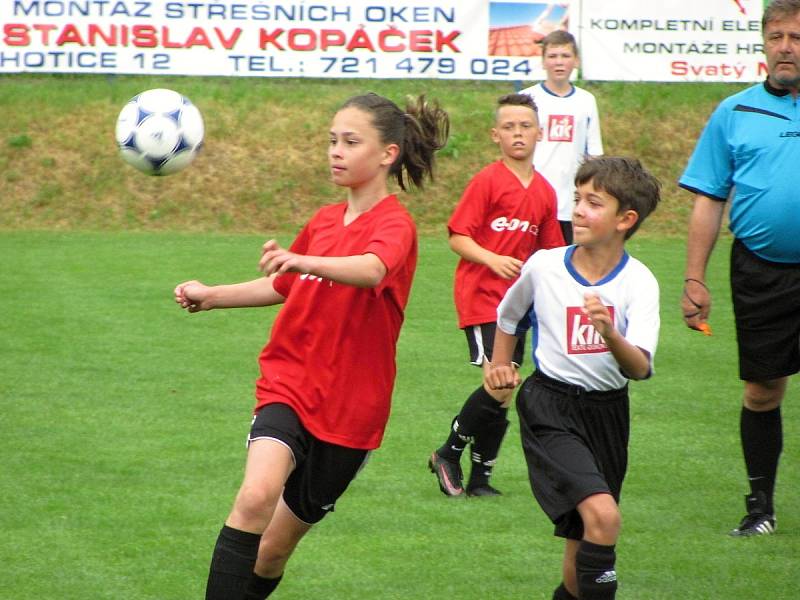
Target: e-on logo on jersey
[(582, 337), (505, 224), (560, 128)]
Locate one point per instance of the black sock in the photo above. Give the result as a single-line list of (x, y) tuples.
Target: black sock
[(597, 577), (259, 588), (562, 593), (485, 449), (455, 444), (479, 409), (232, 564), (762, 443)]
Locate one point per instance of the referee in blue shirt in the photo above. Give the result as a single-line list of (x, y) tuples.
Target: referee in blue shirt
[(748, 155)]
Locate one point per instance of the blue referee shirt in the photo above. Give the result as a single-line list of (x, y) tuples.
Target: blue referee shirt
[(751, 143)]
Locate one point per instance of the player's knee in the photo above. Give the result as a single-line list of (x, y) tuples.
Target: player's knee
[(602, 522), (253, 504)]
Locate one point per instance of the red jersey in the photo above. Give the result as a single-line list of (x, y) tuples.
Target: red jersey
[(503, 216), (331, 354)]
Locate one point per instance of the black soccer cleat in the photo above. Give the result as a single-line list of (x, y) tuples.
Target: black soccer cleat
[(448, 473), (482, 490), (757, 521)]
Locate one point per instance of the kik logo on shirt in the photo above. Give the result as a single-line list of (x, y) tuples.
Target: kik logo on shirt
[(560, 128), (582, 337)]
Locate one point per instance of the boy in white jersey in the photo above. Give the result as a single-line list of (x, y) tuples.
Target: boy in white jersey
[(569, 121), (594, 313)]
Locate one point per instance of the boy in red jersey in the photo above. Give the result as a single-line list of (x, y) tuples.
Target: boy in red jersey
[(507, 212), (326, 382)]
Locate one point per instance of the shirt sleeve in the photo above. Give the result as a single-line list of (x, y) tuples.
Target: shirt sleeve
[(594, 139), (468, 215), (392, 243), (513, 312), (710, 168), (643, 321)]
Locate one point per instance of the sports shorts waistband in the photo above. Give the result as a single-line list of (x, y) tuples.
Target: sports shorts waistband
[(577, 391)]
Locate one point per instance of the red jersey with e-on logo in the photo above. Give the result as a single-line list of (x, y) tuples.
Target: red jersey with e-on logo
[(507, 218)]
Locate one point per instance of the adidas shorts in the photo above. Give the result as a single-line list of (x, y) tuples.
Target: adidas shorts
[(322, 470), (575, 444), (480, 339), (767, 320)]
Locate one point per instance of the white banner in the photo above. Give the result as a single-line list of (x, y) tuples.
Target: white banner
[(463, 39), (629, 40), (672, 40)]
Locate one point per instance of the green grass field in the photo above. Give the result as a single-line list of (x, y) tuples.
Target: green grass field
[(123, 426)]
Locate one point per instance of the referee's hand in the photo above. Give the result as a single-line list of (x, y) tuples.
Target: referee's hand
[(696, 304)]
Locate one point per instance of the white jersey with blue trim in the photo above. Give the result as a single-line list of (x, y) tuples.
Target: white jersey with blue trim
[(548, 298), (570, 133)]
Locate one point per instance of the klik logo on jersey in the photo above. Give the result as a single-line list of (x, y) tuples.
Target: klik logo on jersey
[(560, 128), (582, 337)]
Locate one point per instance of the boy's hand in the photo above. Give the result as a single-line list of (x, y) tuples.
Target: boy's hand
[(506, 267), (275, 259), (501, 377), (193, 296), (598, 314)]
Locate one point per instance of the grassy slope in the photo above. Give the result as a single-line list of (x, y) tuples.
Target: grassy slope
[(264, 165), (123, 422)]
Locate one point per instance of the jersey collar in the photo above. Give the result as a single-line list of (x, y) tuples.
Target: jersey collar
[(580, 279), (773, 90), (552, 93)]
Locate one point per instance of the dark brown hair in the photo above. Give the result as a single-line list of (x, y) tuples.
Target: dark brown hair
[(627, 181), (517, 100), (419, 132)]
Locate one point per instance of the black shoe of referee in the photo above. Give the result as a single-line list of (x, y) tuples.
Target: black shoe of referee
[(757, 521)]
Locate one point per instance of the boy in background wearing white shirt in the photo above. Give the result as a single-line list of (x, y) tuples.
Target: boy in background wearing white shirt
[(569, 122), (594, 310)]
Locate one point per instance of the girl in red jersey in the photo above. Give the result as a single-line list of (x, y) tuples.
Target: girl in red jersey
[(326, 381)]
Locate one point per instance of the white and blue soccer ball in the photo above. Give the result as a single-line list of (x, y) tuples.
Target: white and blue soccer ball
[(159, 132)]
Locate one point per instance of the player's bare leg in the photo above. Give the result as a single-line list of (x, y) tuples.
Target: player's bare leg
[(569, 578), (278, 543), (269, 464)]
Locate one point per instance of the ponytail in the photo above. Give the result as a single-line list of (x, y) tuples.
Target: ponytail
[(419, 132)]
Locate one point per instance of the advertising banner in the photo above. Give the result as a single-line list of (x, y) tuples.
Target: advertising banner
[(672, 40), (459, 39)]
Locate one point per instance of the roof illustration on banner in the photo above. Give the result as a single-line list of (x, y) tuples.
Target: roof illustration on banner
[(515, 29)]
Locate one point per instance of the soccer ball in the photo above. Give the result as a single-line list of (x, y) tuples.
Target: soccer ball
[(159, 132)]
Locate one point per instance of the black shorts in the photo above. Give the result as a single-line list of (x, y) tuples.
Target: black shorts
[(767, 319), (322, 470), (480, 339), (575, 444)]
